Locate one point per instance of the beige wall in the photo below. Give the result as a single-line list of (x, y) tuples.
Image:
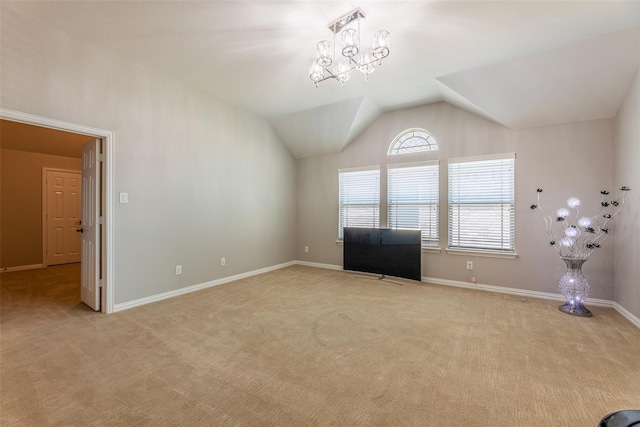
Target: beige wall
[(565, 160), (627, 238), (205, 180), (21, 204)]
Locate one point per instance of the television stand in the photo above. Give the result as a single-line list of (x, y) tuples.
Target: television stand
[(380, 277)]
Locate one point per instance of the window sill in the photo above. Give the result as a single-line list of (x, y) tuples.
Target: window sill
[(486, 254)]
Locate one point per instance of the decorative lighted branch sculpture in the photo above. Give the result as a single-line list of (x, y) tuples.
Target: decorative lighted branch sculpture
[(575, 237)]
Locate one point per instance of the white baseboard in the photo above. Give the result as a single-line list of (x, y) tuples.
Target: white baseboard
[(446, 282), (159, 297), (318, 265), (504, 290), (21, 267), (488, 288), (514, 291), (627, 314)]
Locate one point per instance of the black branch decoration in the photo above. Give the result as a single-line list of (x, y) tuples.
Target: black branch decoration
[(575, 236)]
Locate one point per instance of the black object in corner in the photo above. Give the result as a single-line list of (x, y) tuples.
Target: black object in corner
[(629, 418)]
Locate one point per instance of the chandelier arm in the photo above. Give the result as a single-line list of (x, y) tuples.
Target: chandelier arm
[(330, 76), (354, 61), (350, 69), (335, 60), (354, 64)]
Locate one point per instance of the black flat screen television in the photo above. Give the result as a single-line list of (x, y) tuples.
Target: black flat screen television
[(383, 251)]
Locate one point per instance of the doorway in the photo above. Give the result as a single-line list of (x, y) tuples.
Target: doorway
[(104, 282), (61, 216)]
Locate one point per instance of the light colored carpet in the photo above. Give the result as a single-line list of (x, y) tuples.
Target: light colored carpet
[(309, 347)]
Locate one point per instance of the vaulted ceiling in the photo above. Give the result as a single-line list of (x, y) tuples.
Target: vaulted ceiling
[(519, 63)]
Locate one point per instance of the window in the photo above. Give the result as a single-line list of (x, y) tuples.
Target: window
[(413, 141), (359, 198), (413, 199), (481, 203)]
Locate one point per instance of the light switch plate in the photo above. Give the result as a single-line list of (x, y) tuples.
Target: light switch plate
[(124, 197)]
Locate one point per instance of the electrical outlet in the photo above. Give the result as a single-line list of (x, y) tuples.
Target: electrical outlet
[(469, 265), (223, 261), (306, 248), (178, 269)]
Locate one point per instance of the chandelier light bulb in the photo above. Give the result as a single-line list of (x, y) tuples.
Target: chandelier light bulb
[(350, 43), (324, 53), (573, 202), (343, 71), (562, 213), (368, 60), (316, 71), (584, 222), (381, 44)]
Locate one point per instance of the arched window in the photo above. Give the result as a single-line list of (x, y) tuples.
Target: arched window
[(413, 141)]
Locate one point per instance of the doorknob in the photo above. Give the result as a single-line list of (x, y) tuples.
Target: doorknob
[(79, 230)]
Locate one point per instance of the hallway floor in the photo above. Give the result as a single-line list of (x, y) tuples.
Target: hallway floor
[(53, 291)]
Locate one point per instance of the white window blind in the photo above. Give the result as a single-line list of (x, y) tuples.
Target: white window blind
[(413, 199), (481, 203), (359, 199)]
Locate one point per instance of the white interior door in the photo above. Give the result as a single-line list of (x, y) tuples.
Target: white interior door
[(91, 224), (63, 214)]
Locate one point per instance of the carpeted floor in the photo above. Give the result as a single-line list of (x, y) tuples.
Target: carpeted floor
[(309, 347)]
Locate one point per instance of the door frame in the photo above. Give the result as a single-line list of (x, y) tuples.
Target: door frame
[(108, 138), (45, 234)]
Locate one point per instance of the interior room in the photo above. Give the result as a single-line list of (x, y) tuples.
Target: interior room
[(222, 149)]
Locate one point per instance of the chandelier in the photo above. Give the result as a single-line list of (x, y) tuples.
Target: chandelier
[(327, 66)]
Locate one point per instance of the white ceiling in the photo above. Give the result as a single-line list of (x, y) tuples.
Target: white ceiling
[(519, 63)]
